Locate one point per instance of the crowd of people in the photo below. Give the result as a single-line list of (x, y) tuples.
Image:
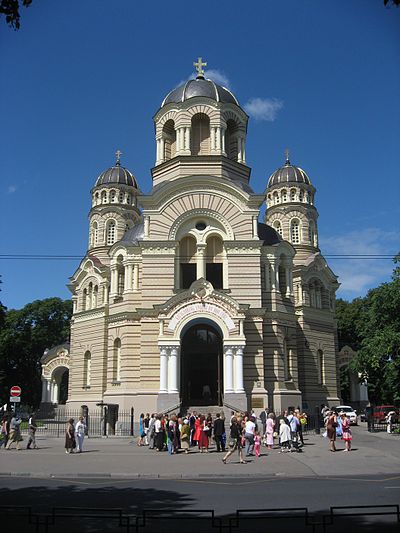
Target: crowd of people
[(10, 432), (337, 425), (244, 432)]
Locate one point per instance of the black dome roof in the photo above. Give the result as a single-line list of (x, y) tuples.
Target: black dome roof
[(288, 174), (200, 87), (118, 175)]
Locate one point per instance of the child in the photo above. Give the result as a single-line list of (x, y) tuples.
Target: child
[(284, 436), (257, 443)]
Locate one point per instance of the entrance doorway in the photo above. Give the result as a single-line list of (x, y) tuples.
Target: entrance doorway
[(201, 368)]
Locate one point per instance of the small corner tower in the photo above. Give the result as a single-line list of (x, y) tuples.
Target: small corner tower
[(114, 207), (290, 207)]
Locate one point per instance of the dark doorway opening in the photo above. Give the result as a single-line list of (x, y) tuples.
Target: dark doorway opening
[(63, 390), (214, 274), (201, 368)]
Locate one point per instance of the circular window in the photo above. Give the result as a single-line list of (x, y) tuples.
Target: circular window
[(201, 226)]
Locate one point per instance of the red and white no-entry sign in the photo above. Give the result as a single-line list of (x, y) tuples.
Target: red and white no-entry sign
[(15, 390)]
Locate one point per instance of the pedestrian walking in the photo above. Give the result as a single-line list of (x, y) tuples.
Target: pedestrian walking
[(150, 432), (269, 432), (347, 436), (263, 418), (15, 433), (185, 436), (331, 425), (4, 431), (257, 444), (249, 430), (219, 431), (235, 440), (284, 436), (146, 424), (389, 421), (142, 433), (70, 443), (80, 430), (32, 427)]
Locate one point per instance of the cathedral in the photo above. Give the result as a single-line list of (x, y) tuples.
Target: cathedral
[(184, 298)]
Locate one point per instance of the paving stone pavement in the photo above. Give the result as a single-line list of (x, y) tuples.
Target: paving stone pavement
[(120, 458)]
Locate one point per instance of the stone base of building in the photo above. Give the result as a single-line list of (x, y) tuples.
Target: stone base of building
[(168, 402), (286, 399), (236, 401)]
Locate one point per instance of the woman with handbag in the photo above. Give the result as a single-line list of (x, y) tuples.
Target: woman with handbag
[(70, 443), (235, 440)]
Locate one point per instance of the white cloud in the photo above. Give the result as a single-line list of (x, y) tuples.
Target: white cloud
[(11, 189), (263, 108), (358, 275), (218, 77)]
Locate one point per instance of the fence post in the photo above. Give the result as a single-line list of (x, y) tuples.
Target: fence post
[(105, 421), (132, 421), (317, 421)]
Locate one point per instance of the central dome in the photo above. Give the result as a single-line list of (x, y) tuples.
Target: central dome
[(200, 87)]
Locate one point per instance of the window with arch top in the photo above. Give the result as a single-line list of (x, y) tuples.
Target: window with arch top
[(278, 227), (295, 231), (87, 369), (110, 232), (200, 138), (214, 261), (116, 375), (187, 261), (169, 136), (231, 140)]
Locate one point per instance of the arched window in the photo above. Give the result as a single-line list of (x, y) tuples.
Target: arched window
[(231, 140), (200, 134), (311, 232), (121, 197), (321, 367), (187, 261), (103, 197), (87, 369), (278, 227), (284, 195), (97, 198), (276, 198), (214, 261), (269, 198), (117, 360), (95, 234), (301, 196), (128, 199), (84, 300), (90, 296), (292, 195), (113, 197), (110, 232), (95, 296), (282, 279), (121, 275), (295, 231), (169, 136), (312, 295)]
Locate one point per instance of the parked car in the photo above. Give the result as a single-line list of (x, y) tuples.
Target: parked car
[(350, 412), (380, 411)]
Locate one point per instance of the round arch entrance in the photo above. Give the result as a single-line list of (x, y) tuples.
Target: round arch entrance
[(201, 366)]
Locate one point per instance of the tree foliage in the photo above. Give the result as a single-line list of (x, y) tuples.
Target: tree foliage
[(371, 326), (10, 9), (24, 336)]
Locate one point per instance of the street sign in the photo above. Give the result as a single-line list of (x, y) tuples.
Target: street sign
[(15, 399), (15, 390)]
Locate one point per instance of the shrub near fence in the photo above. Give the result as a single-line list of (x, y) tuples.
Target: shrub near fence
[(98, 424)]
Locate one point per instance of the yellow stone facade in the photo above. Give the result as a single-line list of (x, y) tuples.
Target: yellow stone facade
[(184, 298)]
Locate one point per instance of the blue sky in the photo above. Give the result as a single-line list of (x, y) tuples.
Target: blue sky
[(81, 79)]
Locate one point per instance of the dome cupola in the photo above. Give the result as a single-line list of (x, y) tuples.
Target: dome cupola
[(288, 174), (117, 175)]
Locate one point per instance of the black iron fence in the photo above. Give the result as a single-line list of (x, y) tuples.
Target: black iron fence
[(360, 518), (104, 421)]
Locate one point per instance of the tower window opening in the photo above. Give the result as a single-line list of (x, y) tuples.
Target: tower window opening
[(295, 231), (121, 197), (301, 196), (214, 261), (200, 134), (231, 140), (292, 195), (284, 195), (103, 197), (169, 135), (187, 262), (113, 196), (321, 367), (110, 239), (278, 227), (116, 374), (276, 198), (87, 369)]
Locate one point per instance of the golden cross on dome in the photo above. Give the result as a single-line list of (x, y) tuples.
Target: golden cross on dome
[(199, 67), (118, 153), (287, 155)]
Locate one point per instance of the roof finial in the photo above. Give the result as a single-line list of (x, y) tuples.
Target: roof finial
[(199, 68), (118, 153), (287, 156)]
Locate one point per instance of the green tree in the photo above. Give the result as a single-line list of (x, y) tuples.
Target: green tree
[(25, 335), (10, 9)]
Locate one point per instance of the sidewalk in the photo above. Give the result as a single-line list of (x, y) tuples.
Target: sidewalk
[(117, 458)]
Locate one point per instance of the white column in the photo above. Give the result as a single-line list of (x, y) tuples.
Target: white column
[(48, 391), (287, 275), (274, 276), (136, 277), (44, 390), (187, 140), (163, 370), (267, 277), (114, 280), (223, 147), (162, 150), (173, 368), (218, 139), (105, 294), (146, 226), (228, 366), (201, 264), (239, 145), (243, 151), (239, 370), (128, 277), (255, 227)]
